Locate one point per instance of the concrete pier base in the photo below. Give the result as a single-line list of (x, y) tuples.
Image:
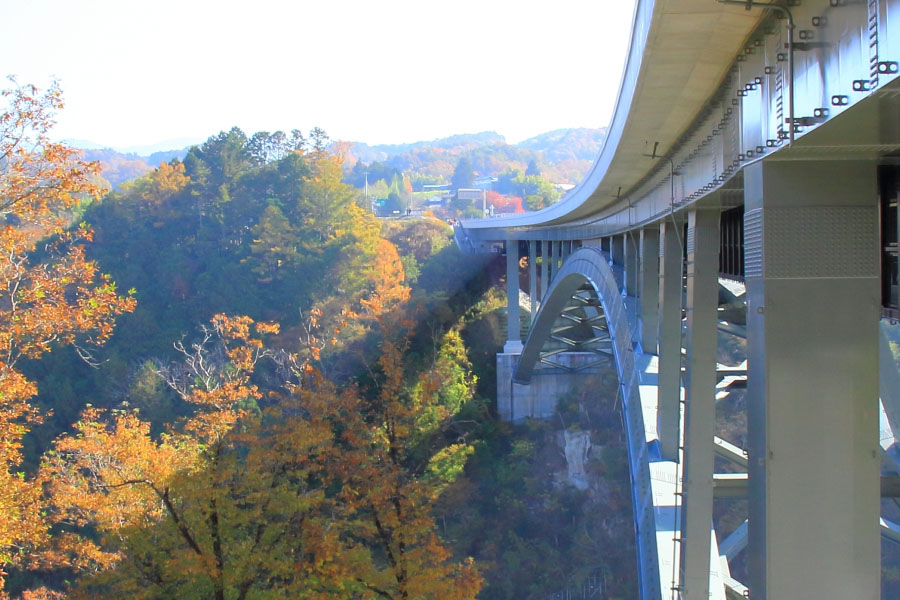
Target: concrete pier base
[(516, 402)]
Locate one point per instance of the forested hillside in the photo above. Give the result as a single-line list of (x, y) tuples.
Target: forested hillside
[(563, 156), (227, 379)]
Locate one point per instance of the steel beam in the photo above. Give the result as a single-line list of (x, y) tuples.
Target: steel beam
[(649, 289), (735, 543), (700, 402), (513, 334), (729, 485), (670, 296), (730, 452), (812, 273)]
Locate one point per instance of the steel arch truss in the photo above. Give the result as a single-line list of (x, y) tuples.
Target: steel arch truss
[(580, 327)]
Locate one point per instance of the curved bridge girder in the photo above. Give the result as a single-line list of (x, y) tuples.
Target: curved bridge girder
[(589, 266)]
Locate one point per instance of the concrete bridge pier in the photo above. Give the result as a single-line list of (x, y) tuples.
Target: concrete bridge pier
[(671, 284), (513, 334), (648, 309), (532, 277), (812, 275), (700, 404), (632, 264), (545, 268), (617, 250)]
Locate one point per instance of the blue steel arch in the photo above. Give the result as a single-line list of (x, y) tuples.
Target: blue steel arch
[(590, 266)]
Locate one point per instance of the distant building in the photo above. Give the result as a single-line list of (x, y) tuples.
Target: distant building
[(563, 187), (436, 187), (484, 183), (470, 194)]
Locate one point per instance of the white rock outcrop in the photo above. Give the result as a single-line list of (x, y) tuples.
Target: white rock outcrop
[(578, 446)]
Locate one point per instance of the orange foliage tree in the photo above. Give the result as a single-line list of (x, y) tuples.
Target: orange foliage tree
[(504, 204), (150, 191), (309, 498), (50, 295)]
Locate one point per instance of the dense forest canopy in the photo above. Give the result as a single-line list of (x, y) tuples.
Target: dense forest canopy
[(228, 379)]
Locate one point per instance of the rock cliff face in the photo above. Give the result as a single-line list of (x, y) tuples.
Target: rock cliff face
[(577, 450)]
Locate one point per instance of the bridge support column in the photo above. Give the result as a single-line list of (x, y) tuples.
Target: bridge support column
[(632, 264), (812, 273), (669, 379), (513, 335), (532, 277), (617, 250), (700, 403), (545, 268), (649, 288)]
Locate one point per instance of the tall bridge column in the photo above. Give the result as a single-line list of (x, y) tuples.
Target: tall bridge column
[(513, 335), (811, 265), (649, 288), (532, 277), (632, 263), (545, 268), (670, 287), (700, 403), (617, 250)]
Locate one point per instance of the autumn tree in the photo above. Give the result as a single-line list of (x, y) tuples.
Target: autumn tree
[(299, 500), (397, 484), (50, 295), (152, 499), (151, 191)]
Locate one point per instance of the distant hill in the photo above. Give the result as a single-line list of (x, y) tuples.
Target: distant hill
[(118, 167), (563, 155), (382, 152), (567, 144), (145, 150)]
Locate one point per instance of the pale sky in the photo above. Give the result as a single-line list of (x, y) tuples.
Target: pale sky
[(138, 73)]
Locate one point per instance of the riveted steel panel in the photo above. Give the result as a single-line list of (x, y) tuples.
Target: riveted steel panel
[(832, 241), (753, 250)]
